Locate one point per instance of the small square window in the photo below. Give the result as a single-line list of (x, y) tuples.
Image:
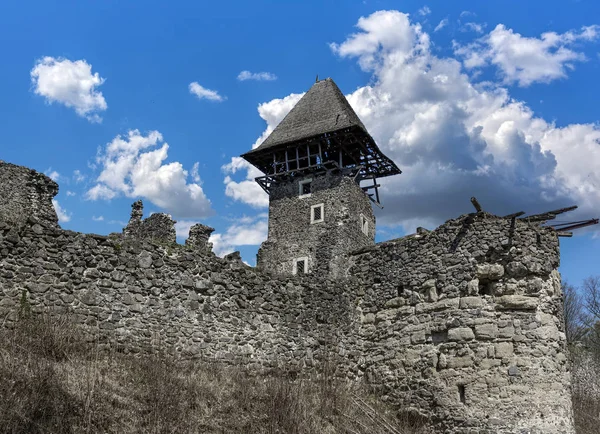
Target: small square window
[(300, 266), (364, 225), (317, 214), (304, 189)]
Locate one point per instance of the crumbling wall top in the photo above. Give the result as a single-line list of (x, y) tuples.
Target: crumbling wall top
[(158, 227), (24, 194), (198, 237)]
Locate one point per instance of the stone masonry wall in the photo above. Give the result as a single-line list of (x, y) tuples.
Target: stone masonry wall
[(24, 191), (325, 244), (461, 325), (465, 324)]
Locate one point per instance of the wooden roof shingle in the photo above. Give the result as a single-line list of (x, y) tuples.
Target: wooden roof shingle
[(323, 109)]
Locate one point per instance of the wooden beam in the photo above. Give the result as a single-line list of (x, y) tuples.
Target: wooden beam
[(476, 204), (514, 215), (577, 225), (549, 215), (368, 187)]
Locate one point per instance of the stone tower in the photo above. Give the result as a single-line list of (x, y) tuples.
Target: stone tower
[(314, 163)]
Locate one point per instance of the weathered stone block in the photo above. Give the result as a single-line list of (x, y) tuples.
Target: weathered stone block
[(368, 318), (506, 332), (395, 302), (471, 302), (90, 298), (490, 271), (459, 362), (386, 315), (461, 334), (486, 331), (513, 371), (516, 269), (548, 333), (473, 287), (517, 302), (418, 337), (145, 259), (489, 363), (503, 349), (446, 303)]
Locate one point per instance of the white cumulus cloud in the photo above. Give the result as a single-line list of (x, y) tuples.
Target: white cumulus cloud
[(70, 83), (63, 215), (134, 166), (248, 231), (98, 219), (257, 76), (204, 93), (182, 228), (382, 34), (453, 137), (527, 60), (247, 190)]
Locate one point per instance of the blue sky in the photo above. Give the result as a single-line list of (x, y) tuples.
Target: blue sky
[(496, 99)]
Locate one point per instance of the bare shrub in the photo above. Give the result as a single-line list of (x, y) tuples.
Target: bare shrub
[(33, 382), (51, 337), (586, 391), (573, 313), (581, 310)]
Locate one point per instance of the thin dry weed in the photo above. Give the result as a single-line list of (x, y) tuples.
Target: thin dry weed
[(53, 381)]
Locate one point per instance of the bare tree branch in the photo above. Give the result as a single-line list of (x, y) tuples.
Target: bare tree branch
[(591, 290), (574, 315)]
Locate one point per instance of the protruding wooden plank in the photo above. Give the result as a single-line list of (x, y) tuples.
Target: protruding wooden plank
[(514, 215), (476, 204), (549, 215)]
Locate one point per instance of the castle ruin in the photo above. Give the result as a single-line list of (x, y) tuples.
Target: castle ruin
[(461, 325)]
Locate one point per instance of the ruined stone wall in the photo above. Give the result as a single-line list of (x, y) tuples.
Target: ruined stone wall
[(24, 191), (325, 244), (464, 324), (461, 325), (137, 294)]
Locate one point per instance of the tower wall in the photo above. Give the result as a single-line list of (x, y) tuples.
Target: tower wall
[(464, 326), (325, 244)]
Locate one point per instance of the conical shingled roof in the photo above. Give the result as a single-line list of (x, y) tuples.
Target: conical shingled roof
[(323, 109)]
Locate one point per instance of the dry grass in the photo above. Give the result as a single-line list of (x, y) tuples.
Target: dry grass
[(52, 381)]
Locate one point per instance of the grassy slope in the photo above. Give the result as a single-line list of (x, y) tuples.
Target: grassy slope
[(51, 381)]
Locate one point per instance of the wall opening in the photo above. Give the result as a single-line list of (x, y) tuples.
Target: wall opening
[(461, 394), (364, 225), (439, 337), (317, 214), (485, 288), (300, 266), (304, 187)]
